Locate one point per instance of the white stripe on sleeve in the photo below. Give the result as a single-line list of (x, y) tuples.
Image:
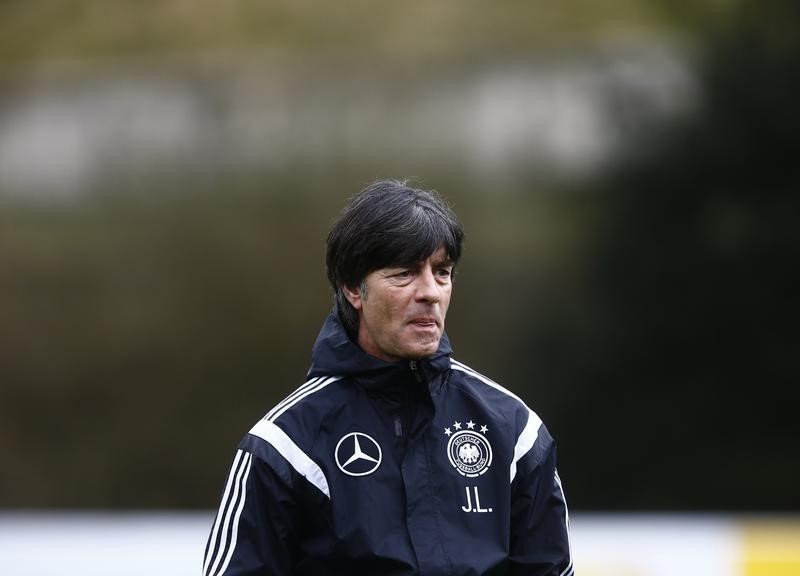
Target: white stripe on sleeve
[(240, 477), (239, 509), (525, 441), (570, 569), (223, 506), (299, 460)]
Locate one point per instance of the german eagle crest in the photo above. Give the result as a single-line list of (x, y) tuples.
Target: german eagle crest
[(468, 449)]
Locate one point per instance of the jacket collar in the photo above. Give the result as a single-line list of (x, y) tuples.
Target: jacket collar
[(335, 353)]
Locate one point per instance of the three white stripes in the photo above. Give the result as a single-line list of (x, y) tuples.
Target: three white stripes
[(313, 385), (230, 509), (219, 554), (464, 368)]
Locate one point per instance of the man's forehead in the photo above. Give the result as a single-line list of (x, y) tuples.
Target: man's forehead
[(439, 257)]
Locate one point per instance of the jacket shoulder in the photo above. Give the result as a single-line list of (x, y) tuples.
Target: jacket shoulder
[(532, 439), (300, 413), (488, 390), (311, 400), (290, 428)]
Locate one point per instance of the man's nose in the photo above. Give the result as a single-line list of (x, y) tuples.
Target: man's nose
[(427, 287)]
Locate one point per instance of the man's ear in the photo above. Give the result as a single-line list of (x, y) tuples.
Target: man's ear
[(353, 296)]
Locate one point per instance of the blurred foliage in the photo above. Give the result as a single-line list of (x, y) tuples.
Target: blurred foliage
[(648, 316), (694, 292), (355, 31)]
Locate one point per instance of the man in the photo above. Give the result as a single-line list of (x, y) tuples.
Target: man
[(393, 458)]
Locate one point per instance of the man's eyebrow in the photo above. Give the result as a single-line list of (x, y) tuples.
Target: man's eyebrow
[(445, 261)]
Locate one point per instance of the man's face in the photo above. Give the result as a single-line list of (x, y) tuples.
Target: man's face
[(401, 312)]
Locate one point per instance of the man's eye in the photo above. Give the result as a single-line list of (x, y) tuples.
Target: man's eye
[(403, 274), (444, 272)]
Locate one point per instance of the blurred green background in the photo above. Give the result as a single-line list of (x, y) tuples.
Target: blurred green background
[(626, 172)]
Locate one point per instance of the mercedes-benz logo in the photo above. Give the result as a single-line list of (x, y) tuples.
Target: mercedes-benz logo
[(358, 454)]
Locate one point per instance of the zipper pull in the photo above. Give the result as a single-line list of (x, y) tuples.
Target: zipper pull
[(415, 371), (398, 427)]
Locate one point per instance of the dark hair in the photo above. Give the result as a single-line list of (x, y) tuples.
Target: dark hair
[(387, 224)]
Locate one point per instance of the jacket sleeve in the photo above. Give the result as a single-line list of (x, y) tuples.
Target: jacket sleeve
[(540, 543), (255, 529)]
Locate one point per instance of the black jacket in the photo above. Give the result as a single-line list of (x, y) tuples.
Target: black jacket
[(422, 467)]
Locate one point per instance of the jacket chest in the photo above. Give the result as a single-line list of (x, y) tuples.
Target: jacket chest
[(416, 492)]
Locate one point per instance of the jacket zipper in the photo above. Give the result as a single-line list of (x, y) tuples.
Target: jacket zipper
[(415, 371), (398, 420)]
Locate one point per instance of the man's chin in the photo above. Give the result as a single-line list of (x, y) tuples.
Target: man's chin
[(423, 349)]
